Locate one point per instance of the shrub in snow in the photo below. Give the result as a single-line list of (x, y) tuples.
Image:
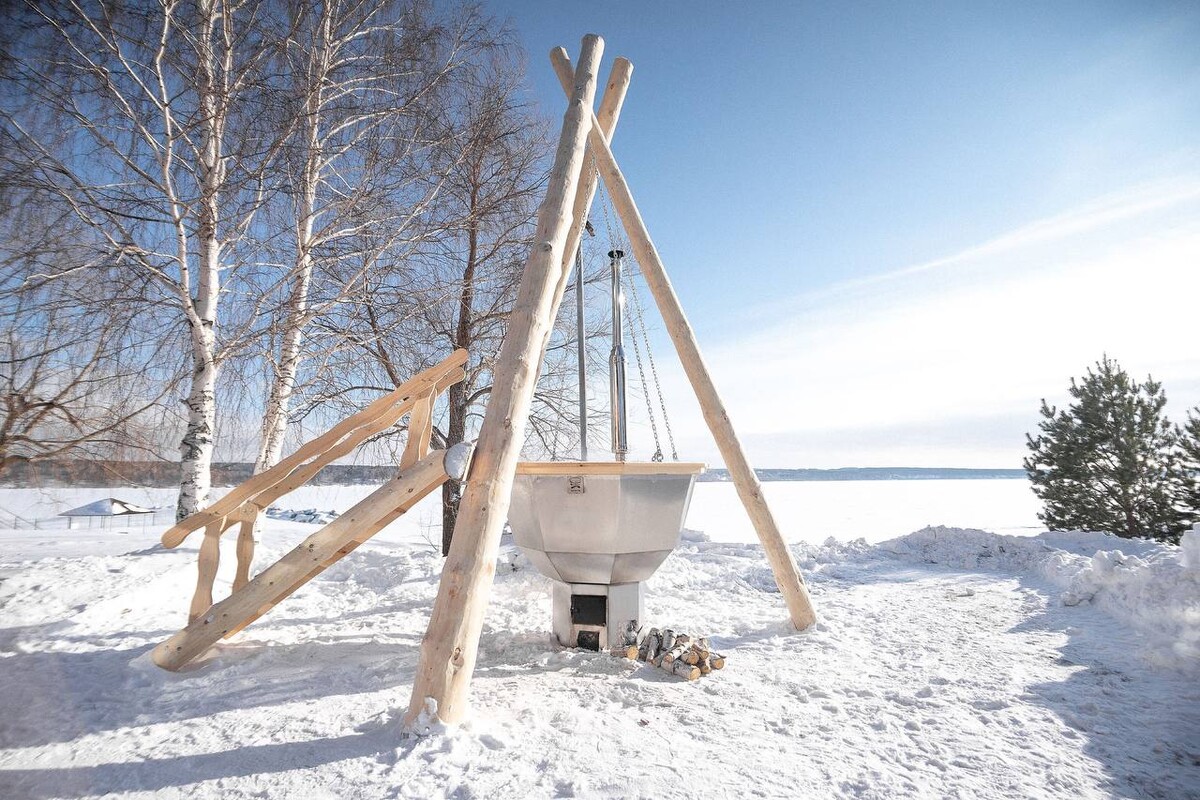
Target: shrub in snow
[(1189, 547)]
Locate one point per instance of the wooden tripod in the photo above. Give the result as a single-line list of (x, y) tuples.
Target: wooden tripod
[(450, 646)]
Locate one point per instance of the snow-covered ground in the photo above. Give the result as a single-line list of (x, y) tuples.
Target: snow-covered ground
[(948, 662)]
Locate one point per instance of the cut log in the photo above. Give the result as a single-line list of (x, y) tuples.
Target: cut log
[(670, 656), (651, 645), (716, 661), (685, 671), (629, 651)]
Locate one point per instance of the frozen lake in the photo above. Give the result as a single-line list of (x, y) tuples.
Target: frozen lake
[(813, 511), (809, 511)]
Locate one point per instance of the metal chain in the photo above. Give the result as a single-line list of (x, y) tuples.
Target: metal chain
[(605, 204), (637, 357), (619, 244), (662, 403)]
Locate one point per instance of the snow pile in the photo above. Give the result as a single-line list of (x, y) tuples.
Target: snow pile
[(309, 515), (1152, 587), (1189, 548)]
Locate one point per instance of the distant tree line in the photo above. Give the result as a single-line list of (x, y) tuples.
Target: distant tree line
[(214, 211), (1112, 461), (159, 473)]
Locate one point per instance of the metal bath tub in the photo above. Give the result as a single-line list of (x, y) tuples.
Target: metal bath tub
[(600, 522)]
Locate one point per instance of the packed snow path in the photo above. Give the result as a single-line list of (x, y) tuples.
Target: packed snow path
[(922, 680)]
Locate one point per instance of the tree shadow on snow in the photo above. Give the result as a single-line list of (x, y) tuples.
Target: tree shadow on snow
[(155, 774), (51, 697), (1140, 723)]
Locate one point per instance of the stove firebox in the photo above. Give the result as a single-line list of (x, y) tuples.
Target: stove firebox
[(594, 616)]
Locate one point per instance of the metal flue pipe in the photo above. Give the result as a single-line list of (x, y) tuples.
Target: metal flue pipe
[(616, 361), (580, 352)]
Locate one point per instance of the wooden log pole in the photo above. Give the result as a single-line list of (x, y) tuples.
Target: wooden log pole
[(453, 464), (248, 512), (420, 430), (206, 568), (783, 565), (451, 642), (245, 546), (608, 115)]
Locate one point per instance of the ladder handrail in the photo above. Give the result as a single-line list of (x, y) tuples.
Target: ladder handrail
[(406, 395)]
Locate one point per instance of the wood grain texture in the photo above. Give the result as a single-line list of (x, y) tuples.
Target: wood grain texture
[(298, 467), (609, 113), (420, 431), (244, 503), (610, 468)]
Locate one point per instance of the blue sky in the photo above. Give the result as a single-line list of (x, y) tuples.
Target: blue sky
[(911, 220)]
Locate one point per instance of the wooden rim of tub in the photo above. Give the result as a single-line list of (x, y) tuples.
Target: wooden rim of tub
[(610, 468)]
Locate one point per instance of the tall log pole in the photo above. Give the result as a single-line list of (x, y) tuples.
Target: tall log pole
[(787, 574), (451, 643), (610, 112)]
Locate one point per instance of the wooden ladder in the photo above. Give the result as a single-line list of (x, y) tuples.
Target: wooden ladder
[(420, 473)]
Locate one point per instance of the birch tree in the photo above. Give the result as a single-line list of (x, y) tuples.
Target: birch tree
[(77, 379), (161, 155), (466, 276), (366, 79)]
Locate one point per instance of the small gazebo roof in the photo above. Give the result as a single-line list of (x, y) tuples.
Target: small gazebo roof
[(108, 507)]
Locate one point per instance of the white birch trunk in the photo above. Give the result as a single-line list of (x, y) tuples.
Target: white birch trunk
[(275, 416), (196, 449)]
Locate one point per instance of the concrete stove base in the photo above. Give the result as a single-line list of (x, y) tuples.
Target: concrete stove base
[(595, 616)]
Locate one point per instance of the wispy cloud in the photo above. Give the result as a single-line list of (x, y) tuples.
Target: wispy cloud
[(945, 361)]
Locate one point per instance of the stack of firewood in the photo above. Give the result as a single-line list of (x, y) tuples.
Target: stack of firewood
[(676, 653)]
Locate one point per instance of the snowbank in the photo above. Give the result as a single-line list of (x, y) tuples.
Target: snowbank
[(1152, 587), (308, 515)]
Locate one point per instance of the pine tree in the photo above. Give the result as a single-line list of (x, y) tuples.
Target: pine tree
[(1110, 461), (1189, 451)]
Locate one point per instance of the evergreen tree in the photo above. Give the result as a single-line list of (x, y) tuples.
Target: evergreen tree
[(1110, 461), (1189, 450)]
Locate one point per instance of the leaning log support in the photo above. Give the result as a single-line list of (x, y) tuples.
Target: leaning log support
[(449, 648), (610, 111), (783, 565)]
